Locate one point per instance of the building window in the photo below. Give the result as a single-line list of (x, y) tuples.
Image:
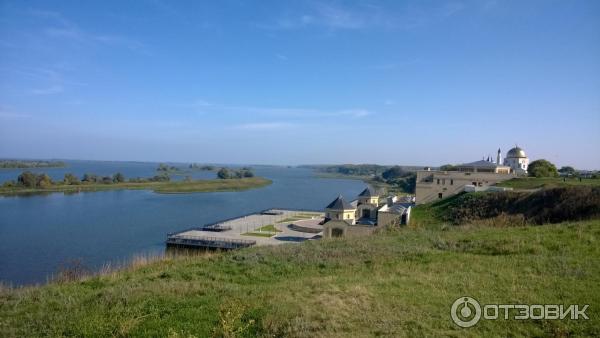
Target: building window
[(444, 181), (440, 195), (438, 181), (451, 182)]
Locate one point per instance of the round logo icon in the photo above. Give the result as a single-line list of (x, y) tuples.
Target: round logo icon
[(465, 312)]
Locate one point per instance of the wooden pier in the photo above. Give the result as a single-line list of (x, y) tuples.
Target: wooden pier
[(188, 241)]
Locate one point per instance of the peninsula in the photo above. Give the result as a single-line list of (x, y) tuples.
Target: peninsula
[(22, 164), (30, 183)]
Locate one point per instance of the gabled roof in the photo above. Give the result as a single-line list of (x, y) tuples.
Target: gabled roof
[(340, 204), (368, 192)]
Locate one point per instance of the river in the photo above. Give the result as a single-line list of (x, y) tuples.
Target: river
[(41, 233)]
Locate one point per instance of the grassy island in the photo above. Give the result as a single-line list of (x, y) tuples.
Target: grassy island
[(22, 164), (167, 187)]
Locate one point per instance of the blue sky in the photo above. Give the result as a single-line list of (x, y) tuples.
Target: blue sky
[(292, 82)]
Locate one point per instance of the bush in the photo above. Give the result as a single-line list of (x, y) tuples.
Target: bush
[(164, 177), (223, 173), (90, 178), (27, 179), (542, 168), (394, 173), (542, 206), (71, 179), (118, 178)]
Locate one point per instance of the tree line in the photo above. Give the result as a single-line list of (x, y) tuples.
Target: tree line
[(15, 164), (27, 179), (225, 173)]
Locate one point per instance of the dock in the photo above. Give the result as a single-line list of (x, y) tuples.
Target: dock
[(208, 242), (247, 230)]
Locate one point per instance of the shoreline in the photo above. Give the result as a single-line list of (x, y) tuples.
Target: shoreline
[(180, 187)]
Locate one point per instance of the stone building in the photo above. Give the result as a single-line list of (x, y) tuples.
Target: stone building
[(363, 215), (480, 175)]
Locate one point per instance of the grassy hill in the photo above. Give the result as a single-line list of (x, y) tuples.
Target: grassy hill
[(550, 205), (395, 283), (548, 182)]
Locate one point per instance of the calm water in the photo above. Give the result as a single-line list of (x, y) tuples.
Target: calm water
[(38, 234)]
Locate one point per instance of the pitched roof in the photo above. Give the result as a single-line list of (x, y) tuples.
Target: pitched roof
[(340, 204), (368, 192)]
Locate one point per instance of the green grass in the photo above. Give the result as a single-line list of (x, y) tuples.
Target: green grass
[(258, 234), (547, 182), (292, 219), (432, 215), (268, 227), (159, 187), (395, 283)]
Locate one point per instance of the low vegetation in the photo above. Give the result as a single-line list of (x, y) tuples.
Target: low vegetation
[(513, 208), (21, 164), (393, 179), (259, 234), (226, 174), (202, 167), (395, 283), (268, 227), (548, 182), (30, 183)]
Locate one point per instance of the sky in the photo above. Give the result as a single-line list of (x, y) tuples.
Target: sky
[(300, 82)]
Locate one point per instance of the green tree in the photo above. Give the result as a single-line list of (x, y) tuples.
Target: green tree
[(223, 173), (567, 170), (27, 179), (393, 173), (542, 168), (447, 167), (71, 179), (43, 181), (118, 178), (90, 178), (409, 183), (164, 177)]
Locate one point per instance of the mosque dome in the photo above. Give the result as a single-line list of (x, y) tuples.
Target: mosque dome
[(516, 152)]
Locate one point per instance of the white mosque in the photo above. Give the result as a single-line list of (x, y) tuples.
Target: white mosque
[(515, 159)]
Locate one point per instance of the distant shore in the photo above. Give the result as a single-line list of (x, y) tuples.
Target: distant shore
[(179, 187), (22, 164)]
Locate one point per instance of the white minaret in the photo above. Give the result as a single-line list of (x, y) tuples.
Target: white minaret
[(499, 157)]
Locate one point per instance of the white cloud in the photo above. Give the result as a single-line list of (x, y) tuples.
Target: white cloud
[(8, 114), (355, 113), (65, 29), (204, 107), (264, 126), (54, 89)]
